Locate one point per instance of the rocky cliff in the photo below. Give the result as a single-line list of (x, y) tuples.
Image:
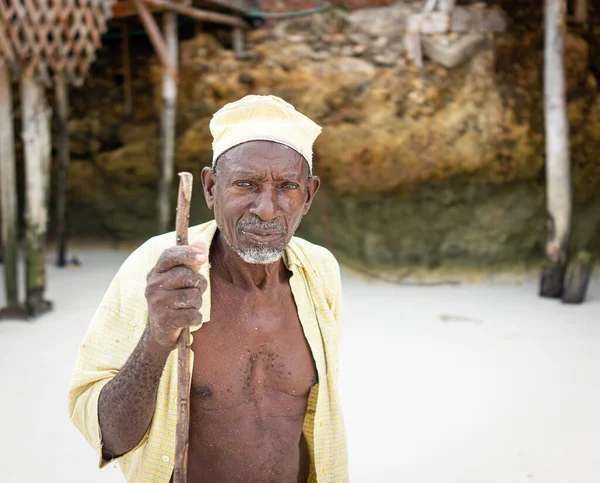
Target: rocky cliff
[(420, 167)]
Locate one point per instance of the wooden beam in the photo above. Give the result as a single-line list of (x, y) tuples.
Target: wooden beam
[(169, 98), (581, 11), (156, 38), (558, 166), (36, 147), (238, 43), (62, 140), (126, 8), (126, 65), (8, 190), (240, 6), (196, 13)]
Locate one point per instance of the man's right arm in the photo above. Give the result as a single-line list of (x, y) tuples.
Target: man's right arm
[(126, 404), (174, 289), (114, 387)]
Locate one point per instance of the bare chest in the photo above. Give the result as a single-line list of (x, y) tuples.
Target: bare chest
[(252, 349)]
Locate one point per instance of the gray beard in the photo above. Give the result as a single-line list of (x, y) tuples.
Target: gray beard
[(257, 255)]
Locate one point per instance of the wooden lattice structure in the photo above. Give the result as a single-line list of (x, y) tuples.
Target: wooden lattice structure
[(50, 38), (52, 43), (43, 43)]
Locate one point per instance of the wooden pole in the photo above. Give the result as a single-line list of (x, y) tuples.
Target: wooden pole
[(182, 431), (169, 98), (195, 13), (238, 43), (8, 194), (155, 37), (126, 61), (36, 146), (581, 11), (558, 174), (62, 111)]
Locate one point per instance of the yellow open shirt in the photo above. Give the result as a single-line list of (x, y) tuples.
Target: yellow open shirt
[(120, 320)]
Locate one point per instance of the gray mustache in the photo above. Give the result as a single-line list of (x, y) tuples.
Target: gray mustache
[(258, 224)]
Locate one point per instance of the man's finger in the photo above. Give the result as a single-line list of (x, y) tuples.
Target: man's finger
[(182, 277), (185, 298), (189, 256)]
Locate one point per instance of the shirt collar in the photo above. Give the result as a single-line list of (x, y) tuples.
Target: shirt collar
[(290, 257)]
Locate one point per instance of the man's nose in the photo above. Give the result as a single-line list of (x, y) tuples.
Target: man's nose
[(265, 206)]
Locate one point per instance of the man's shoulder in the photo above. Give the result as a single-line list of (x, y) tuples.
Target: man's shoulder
[(316, 255)]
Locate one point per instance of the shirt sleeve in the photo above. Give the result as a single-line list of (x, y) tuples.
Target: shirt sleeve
[(111, 337)]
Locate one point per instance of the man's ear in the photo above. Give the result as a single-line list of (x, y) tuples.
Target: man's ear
[(209, 180), (311, 191)]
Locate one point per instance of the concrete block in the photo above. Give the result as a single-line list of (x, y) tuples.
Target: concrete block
[(453, 53)]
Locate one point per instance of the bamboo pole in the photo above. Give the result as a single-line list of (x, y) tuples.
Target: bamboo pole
[(558, 174), (36, 146), (182, 431), (62, 110), (8, 193), (169, 98)]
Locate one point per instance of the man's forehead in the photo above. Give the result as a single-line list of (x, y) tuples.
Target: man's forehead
[(260, 156)]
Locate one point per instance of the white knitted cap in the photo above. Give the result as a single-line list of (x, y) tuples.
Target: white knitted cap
[(262, 118)]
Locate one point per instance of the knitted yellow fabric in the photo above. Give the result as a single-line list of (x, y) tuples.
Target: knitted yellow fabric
[(264, 118)]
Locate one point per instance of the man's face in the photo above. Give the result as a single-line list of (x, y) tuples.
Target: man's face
[(259, 194)]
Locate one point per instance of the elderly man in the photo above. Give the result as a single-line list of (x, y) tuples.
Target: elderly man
[(264, 310)]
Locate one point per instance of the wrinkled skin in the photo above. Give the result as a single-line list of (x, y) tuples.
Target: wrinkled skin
[(253, 369)]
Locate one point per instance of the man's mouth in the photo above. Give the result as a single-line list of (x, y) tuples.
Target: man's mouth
[(262, 236)]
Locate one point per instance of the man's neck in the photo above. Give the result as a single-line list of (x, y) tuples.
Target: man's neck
[(228, 266)]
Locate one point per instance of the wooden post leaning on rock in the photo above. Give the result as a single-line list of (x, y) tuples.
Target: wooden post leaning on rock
[(36, 147), (169, 104), (8, 199), (558, 170), (62, 133)]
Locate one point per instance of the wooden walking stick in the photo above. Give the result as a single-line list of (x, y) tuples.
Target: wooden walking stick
[(183, 345)]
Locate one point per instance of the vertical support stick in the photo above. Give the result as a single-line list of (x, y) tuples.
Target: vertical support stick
[(182, 431), (581, 11), (238, 43), (558, 173), (126, 61), (8, 190), (36, 147), (169, 97), (62, 110)]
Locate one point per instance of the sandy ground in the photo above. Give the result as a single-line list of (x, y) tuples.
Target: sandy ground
[(481, 383)]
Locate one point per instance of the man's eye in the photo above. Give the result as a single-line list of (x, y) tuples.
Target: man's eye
[(242, 184), (290, 186)]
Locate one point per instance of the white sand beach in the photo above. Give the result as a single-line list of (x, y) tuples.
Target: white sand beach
[(476, 383)]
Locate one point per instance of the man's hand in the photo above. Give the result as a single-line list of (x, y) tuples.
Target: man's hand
[(174, 292)]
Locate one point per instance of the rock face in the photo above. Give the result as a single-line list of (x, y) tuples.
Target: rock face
[(419, 167)]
